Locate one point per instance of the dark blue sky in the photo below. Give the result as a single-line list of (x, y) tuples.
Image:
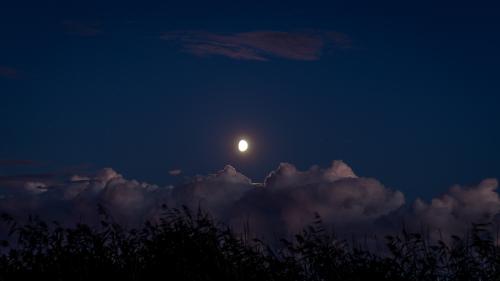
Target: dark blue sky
[(407, 93)]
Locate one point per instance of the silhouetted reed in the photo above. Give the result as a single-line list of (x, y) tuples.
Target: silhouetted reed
[(192, 246)]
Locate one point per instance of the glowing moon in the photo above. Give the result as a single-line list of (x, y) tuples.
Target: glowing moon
[(243, 145)]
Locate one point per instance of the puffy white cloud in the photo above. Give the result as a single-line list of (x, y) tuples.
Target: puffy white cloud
[(289, 199), (455, 211), (35, 187), (284, 203), (216, 192), (76, 200)]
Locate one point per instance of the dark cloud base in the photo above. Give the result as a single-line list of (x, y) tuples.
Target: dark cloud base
[(283, 204)]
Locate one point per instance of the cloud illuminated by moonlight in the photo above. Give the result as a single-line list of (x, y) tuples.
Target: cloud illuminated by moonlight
[(284, 203)]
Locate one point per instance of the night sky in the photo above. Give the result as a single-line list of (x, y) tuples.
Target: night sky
[(406, 92)]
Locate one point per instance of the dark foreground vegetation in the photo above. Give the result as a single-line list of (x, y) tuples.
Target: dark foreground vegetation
[(186, 246)]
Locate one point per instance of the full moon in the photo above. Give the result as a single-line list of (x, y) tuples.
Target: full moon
[(243, 145)]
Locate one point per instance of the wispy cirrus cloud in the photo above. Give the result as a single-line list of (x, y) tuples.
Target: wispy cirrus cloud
[(8, 72), (175, 172), (81, 28), (259, 45), (24, 180), (18, 162)]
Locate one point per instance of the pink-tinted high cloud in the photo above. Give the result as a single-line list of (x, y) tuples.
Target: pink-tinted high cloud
[(81, 28), (259, 45), (8, 72), (18, 162)]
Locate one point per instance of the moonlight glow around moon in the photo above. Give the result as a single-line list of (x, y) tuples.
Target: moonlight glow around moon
[(243, 146)]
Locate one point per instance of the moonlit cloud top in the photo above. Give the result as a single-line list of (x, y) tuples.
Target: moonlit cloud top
[(285, 202)]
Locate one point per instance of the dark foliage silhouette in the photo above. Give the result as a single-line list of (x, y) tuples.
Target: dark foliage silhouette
[(192, 246)]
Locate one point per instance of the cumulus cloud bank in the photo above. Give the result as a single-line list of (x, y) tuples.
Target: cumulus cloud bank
[(259, 45), (284, 203)]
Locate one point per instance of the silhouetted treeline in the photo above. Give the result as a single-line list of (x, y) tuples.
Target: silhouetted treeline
[(187, 246)]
